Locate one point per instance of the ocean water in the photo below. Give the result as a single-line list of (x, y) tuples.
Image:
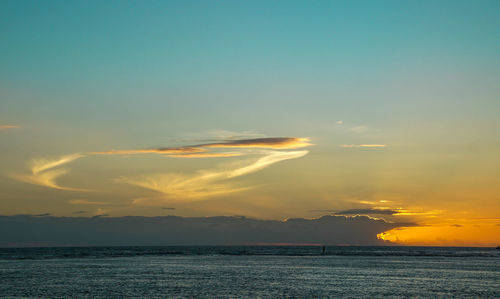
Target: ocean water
[(251, 271)]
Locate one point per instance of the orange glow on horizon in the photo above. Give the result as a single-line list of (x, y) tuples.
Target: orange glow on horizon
[(468, 234)]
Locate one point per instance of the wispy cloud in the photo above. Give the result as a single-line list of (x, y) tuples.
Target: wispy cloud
[(174, 186), (44, 174), (363, 145), (5, 127), (43, 215), (359, 129), (232, 135), (272, 143), (206, 183), (86, 202), (368, 212), (402, 212), (164, 151), (100, 213), (382, 211), (201, 150), (206, 155)]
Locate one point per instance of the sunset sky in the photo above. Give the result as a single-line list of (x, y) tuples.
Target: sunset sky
[(266, 109)]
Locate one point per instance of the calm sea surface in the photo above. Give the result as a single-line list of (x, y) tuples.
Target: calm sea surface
[(253, 271)]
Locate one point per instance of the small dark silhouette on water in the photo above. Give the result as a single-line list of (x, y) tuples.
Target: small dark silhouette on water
[(324, 250)]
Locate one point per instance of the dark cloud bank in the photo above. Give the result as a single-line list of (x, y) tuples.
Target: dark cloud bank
[(29, 230)]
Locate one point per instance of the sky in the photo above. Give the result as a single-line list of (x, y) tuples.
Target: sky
[(265, 109)]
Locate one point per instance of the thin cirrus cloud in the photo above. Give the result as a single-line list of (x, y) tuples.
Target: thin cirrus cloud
[(206, 155), (389, 211), (43, 172), (221, 135), (363, 145), (368, 212), (6, 127), (205, 183), (86, 202), (175, 186), (359, 129), (202, 150)]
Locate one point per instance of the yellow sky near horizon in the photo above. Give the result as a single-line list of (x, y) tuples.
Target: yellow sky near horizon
[(444, 200)]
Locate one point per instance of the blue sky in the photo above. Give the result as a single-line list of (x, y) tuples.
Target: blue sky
[(341, 57)]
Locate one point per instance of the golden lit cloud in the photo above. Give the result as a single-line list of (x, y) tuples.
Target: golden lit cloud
[(389, 211), (402, 212), (200, 150), (375, 211), (272, 143), (270, 158), (43, 174), (206, 155), (206, 183), (164, 151), (201, 185), (363, 145)]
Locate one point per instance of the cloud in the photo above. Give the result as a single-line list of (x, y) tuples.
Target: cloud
[(41, 165), (272, 143), (359, 129), (202, 184), (163, 151), (43, 215), (86, 202), (366, 202), (201, 150), (232, 135), (402, 212), (340, 122), (368, 212), (100, 215), (206, 183), (172, 230), (363, 145), (43, 174), (79, 212), (388, 211), (6, 127), (206, 155), (321, 211)]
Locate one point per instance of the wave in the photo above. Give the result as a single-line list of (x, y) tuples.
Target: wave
[(114, 252)]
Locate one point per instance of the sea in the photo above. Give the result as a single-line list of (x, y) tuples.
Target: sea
[(250, 272)]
